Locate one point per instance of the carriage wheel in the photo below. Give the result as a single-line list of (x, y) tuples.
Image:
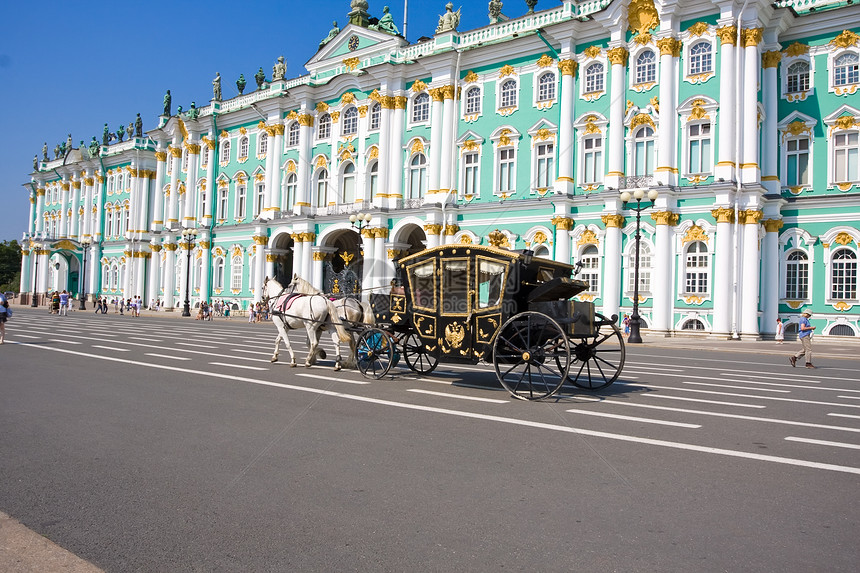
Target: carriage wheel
[(598, 358), (531, 355), (374, 353), (416, 356)]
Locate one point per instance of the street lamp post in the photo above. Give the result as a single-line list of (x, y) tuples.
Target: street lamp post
[(85, 243), (359, 219), (36, 248), (188, 236), (639, 194)]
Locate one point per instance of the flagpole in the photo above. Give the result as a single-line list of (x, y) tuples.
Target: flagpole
[(405, 9)]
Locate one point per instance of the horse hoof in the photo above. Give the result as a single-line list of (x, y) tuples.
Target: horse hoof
[(292, 364), (274, 359), (337, 367), (322, 354)]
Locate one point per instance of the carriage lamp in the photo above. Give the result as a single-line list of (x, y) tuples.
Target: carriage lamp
[(358, 219), (85, 246), (638, 194), (188, 236)]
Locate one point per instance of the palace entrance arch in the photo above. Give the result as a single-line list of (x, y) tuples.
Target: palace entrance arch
[(343, 264)]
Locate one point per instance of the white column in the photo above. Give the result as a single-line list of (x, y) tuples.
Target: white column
[(160, 171), (277, 174), (74, 202), (261, 238), (770, 276), (173, 209), (436, 114), (722, 275), (94, 269), (145, 184), (140, 258), (88, 230), (563, 225), (269, 206), (751, 269), (169, 272), (612, 264), (395, 154), (44, 271), (617, 102), (205, 245), (432, 231), (211, 184), (368, 279), (727, 116), (662, 285), (667, 167), (154, 288), (31, 222), (25, 284), (379, 255), (270, 264), (134, 199), (98, 194), (40, 209), (770, 153), (565, 182), (189, 219), (752, 65), (305, 170), (298, 255), (64, 206), (317, 267), (307, 258), (447, 182)]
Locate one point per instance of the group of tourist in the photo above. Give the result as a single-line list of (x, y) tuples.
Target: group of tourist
[(120, 305), (258, 312)]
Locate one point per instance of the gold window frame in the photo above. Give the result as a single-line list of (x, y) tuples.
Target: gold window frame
[(432, 279), (469, 292), (507, 270)]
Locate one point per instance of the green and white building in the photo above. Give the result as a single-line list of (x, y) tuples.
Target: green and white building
[(744, 117)]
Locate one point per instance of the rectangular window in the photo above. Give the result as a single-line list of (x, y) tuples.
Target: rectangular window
[(222, 203), (470, 174), (797, 161), (846, 157), (545, 165), (593, 159), (241, 191), (700, 148), (259, 198), (506, 170)]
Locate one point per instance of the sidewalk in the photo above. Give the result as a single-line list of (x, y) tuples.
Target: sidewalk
[(22, 550)]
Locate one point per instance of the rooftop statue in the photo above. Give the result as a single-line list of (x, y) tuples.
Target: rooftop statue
[(120, 133), (334, 32), (216, 87), (260, 77), (45, 152), (193, 113), (386, 23), (531, 4), (167, 104), (94, 147), (36, 162), (62, 153), (56, 151), (358, 16), (138, 127), (69, 143), (241, 83), (106, 136), (495, 11), (130, 130), (279, 70), (449, 21)]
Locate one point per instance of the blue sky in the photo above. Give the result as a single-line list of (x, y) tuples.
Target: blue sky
[(68, 66)]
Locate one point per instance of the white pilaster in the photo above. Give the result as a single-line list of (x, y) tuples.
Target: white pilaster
[(770, 153), (447, 179), (175, 156), (725, 168), (160, 171), (612, 264), (436, 114), (722, 275), (618, 58), (565, 182), (751, 261)]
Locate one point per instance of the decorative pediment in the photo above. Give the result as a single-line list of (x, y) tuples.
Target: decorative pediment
[(353, 42)]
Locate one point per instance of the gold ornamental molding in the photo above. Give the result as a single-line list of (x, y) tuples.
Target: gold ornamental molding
[(40, 192), (618, 56), (568, 67), (270, 258), (210, 143), (75, 184), (260, 240), (592, 51), (562, 223), (155, 248), (452, 230), (750, 217), (642, 119), (695, 233), (844, 40), (362, 111), (669, 47), (771, 59), (723, 215), (842, 306), (351, 63), (321, 107), (728, 35), (698, 29), (844, 122), (470, 77), (437, 94), (499, 239), (65, 186), (170, 246), (613, 221), (588, 237), (751, 37), (545, 61), (175, 152), (161, 156), (539, 238), (89, 181), (417, 147), (642, 16), (665, 218), (772, 225), (400, 102), (433, 229), (418, 86), (796, 49), (318, 255), (642, 39), (193, 148), (306, 120), (507, 70), (796, 128), (694, 299), (843, 239)]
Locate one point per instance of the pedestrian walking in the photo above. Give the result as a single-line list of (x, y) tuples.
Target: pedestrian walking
[(64, 303), (104, 305), (121, 305), (626, 323), (5, 313), (55, 303), (805, 336), (780, 332), (251, 314)]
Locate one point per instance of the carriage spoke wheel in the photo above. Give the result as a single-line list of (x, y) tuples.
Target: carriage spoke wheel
[(531, 355), (598, 358), (374, 353), (416, 356)]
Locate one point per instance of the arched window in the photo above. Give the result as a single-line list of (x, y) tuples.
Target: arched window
[(644, 270), (701, 59), (546, 87), (846, 69), (204, 155), (347, 184), (508, 94), (473, 100), (114, 276), (126, 218), (843, 275), (123, 268), (324, 126), (643, 151), (841, 330), (349, 126), (797, 275), (373, 179), (225, 151), (218, 278), (291, 188), (590, 260), (243, 147), (185, 160), (421, 108), (293, 134), (417, 176), (542, 251), (594, 78), (797, 79), (375, 115), (236, 273), (105, 277), (322, 188), (646, 67), (696, 261), (198, 274), (262, 143), (693, 324)]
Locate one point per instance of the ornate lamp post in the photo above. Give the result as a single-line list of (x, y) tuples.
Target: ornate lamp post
[(359, 219), (188, 236), (638, 194), (85, 243), (37, 247)]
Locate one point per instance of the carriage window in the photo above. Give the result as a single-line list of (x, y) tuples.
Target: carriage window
[(455, 287), (544, 274), (491, 279), (421, 284)]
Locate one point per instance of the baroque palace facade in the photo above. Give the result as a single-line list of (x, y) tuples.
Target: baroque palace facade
[(744, 117)]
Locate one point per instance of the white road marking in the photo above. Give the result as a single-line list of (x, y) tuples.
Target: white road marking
[(144, 339), (753, 396), (332, 379), (767, 376), (112, 349), (845, 416), (634, 418), (737, 387), (490, 418), (237, 366), (166, 356), (458, 396), (849, 397), (195, 344), (704, 401), (17, 334), (251, 352), (63, 341), (823, 443)]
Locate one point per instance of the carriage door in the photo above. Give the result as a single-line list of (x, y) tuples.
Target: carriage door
[(490, 279), (455, 308)]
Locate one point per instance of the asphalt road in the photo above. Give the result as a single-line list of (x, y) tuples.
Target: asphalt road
[(157, 444)]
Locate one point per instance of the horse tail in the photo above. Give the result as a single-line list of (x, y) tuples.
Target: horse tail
[(342, 333), (369, 317)]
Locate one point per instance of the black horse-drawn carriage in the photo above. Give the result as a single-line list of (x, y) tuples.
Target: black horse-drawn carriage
[(470, 303)]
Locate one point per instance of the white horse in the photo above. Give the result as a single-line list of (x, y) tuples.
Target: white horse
[(313, 312), (348, 310)]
